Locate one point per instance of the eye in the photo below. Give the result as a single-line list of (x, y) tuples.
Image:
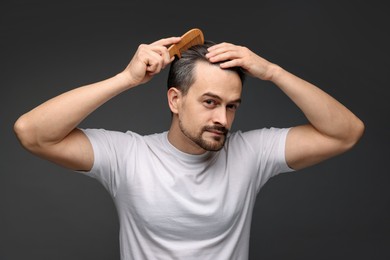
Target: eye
[(210, 103), (232, 107)]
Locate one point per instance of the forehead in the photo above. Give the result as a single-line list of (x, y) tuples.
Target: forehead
[(210, 78)]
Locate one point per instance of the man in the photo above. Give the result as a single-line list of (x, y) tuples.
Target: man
[(188, 193)]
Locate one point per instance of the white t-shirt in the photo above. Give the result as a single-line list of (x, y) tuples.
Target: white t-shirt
[(173, 205)]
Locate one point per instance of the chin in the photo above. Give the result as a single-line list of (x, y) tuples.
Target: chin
[(214, 145)]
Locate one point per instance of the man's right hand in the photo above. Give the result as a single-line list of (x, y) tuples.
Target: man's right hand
[(148, 61)]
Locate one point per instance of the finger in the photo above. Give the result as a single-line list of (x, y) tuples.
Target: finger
[(231, 64), (166, 41), (153, 68), (224, 56), (164, 53), (221, 47), (160, 57), (223, 52), (155, 63)]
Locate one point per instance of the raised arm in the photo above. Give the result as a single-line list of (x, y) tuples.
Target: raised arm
[(50, 130), (333, 129)]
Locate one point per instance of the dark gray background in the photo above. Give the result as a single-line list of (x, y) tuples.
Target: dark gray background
[(339, 209)]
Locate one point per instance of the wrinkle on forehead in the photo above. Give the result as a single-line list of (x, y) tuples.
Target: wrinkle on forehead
[(210, 78)]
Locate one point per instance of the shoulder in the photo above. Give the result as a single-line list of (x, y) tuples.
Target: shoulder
[(258, 135), (116, 139), (101, 133)]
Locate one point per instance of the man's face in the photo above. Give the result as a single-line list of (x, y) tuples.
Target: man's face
[(207, 111)]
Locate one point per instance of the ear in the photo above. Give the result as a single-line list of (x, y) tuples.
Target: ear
[(174, 97)]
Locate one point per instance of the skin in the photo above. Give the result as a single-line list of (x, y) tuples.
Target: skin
[(332, 128), (50, 130), (210, 102)]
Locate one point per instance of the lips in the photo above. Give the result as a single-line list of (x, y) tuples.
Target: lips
[(219, 130), (216, 132)]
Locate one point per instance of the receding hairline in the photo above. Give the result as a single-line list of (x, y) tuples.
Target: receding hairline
[(217, 65)]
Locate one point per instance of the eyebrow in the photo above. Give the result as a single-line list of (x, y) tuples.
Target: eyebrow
[(209, 94)]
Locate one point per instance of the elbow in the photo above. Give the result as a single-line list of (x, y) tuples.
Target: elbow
[(355, 134), (24, 133), (359, 130)]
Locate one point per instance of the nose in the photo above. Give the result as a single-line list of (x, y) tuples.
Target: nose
[(220, 116)]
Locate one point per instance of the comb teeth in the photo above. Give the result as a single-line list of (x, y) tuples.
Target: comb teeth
[(189, 39)]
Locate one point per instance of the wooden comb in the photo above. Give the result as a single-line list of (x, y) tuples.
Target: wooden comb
[(189, 39)]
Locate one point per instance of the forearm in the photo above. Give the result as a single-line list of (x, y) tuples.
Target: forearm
[(53, 120), (325, 114)]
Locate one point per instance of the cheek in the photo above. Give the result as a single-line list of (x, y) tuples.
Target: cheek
[(195, 122), (188, 118), (194, 116)]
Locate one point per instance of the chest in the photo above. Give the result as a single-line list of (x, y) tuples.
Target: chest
[(198, 203)]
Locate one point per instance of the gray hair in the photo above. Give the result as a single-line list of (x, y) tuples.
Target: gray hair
[(181, 72)]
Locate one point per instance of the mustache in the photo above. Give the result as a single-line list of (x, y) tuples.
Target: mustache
[(218, 128)]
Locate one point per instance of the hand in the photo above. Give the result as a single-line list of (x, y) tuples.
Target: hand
[(149, 60), (238, 56)]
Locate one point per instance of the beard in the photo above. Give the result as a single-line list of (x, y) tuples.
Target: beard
[(215, 144)]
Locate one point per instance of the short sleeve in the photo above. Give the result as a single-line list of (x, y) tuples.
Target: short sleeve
[(108, 149), (268, 146)]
